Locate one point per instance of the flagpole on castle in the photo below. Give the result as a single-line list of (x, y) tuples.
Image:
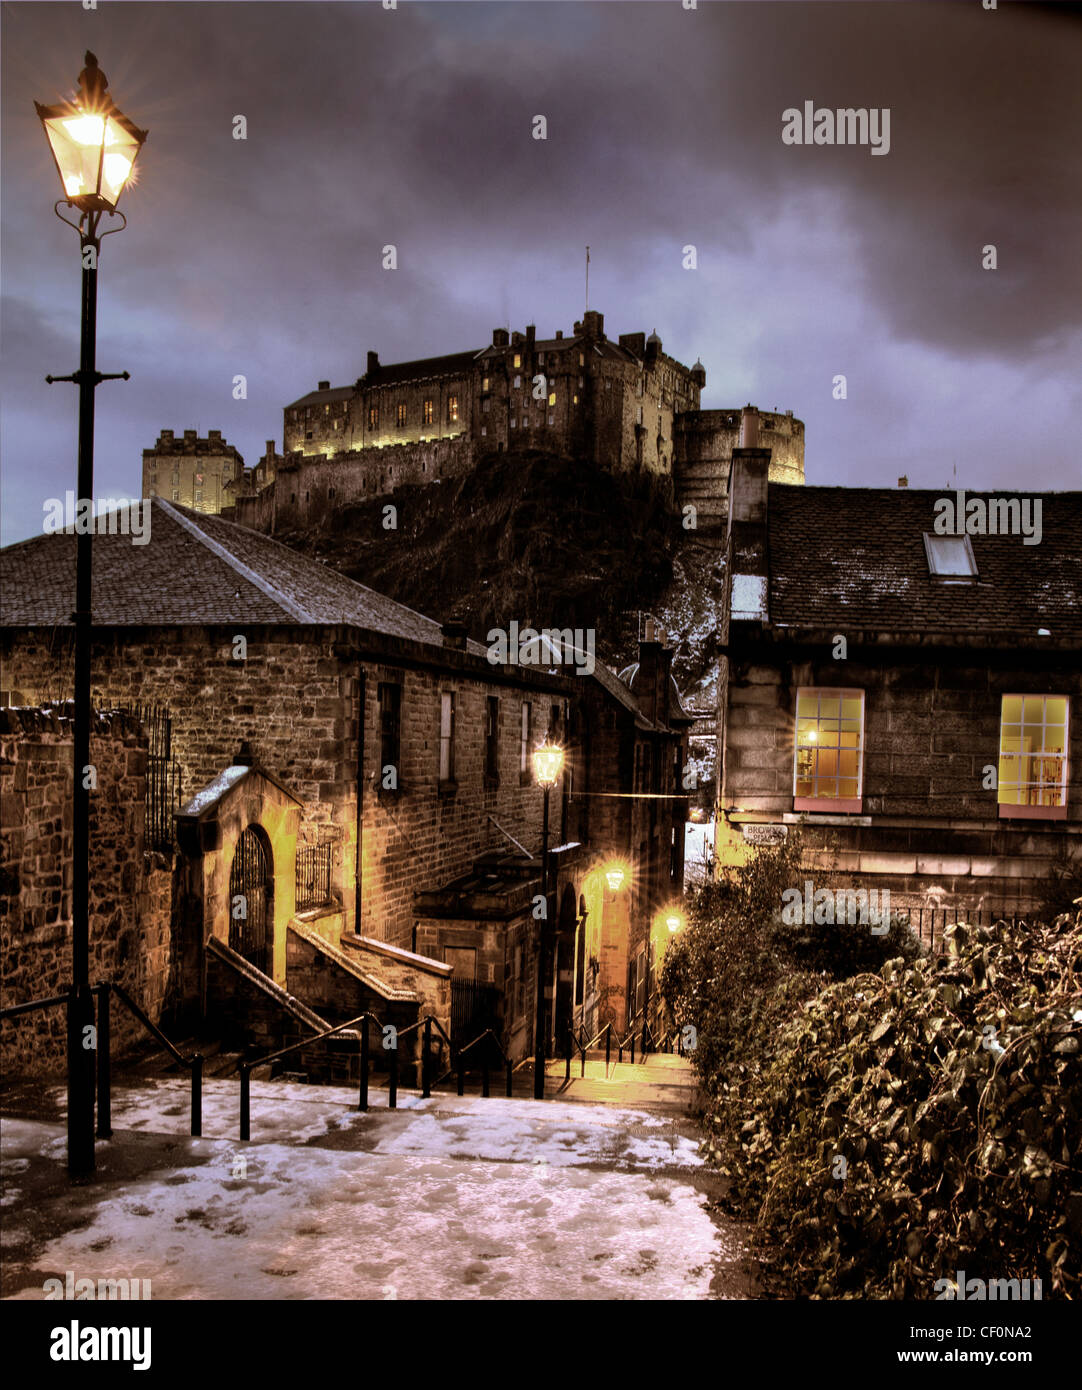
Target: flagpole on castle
[(587, 277)]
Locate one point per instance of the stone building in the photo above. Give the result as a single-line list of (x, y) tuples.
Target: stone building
[(909, 696), (373, 754), (622, 405), (192, 471)]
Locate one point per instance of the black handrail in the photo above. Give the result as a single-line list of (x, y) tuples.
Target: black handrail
[(195, 1061), (104, 1065), (13, 1010), (509, 1067)]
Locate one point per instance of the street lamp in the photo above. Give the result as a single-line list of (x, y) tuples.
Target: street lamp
[(614, 877), (94, 148), (548, 761)]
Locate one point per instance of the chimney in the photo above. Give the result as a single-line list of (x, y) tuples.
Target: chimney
[(214, 434), (746, 567), (593, 325), (454, 635), (559, 334), (903, 481), (652, 681), (516, 339), (244, 758), (749, 427), (323, 386), (167, 437), (499, 337), (531, 335), (373, 363), (270, 449)]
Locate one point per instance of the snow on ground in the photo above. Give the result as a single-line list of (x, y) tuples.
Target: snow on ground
[(451, 1198)]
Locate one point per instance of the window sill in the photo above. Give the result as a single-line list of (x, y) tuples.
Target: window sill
[(850, 806), (1007, 811)]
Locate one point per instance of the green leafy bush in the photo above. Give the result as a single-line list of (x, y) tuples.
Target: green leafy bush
[(895, 1127)]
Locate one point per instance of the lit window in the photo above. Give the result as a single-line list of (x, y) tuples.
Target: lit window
[(829, 747), (176, 495), (447, 737), (1033, 756), (484, 383), (484, 429), (373, 417), (574, 400), (427, 412), (518, 360), (582, 359), (552, 398), (400, 415), (199, 495), (452, 409), (950, 558)]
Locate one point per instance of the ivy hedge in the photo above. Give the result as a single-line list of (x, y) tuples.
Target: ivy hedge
[(887, 1127)]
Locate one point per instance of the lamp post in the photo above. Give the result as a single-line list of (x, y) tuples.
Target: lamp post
[(94, 148), (548, 761)]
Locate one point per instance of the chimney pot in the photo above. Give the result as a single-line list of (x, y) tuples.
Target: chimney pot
[(454, 635), (323, 386), (373, 362), (903, 481), (559, 334), (749, 428)]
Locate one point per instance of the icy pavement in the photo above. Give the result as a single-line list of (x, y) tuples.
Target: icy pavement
[(446, 1198)]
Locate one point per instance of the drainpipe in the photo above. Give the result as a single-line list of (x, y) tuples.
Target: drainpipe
[(358, 895)]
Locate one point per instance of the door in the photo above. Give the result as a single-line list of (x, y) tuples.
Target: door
[(250, 894)]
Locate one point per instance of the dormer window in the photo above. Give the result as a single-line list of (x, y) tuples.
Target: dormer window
[(950, 558)]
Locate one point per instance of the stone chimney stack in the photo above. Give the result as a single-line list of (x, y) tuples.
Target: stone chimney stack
[(749, 427), (746, 568), (593, 325), (373, 363), (531, 336), (655, 670)]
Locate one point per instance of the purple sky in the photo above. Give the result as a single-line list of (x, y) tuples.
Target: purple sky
[(366, 126)]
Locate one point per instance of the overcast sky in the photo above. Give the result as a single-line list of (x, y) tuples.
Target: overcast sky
[(367, 126)]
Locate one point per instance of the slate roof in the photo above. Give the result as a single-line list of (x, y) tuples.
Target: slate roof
[(331, 394), (854, 559), (453, 364), (196, 568)]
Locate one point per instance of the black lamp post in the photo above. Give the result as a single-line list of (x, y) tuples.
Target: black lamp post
[(548, 761), (95, 148)]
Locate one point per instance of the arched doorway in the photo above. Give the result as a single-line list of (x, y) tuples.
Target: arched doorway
[(251, 890)]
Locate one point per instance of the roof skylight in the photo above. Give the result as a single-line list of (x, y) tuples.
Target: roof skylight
[(950, 558)]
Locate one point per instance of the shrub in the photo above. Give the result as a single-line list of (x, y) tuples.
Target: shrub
[(902, 1125)]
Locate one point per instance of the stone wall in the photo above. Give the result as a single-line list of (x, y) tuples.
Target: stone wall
[(310, 489), (130, 892), (929, 733)]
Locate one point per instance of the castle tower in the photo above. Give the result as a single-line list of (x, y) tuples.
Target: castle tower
[(705, 440)]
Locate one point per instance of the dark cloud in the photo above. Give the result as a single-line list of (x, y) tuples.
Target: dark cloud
[(412, 126)]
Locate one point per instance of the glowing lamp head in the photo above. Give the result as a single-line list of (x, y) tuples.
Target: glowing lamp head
[(548, 762), (674, 922), (614, 877), (94, 146)]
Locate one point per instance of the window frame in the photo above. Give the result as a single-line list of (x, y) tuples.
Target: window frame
[(492, 740), (1007, 810), (445, 768), (389, 725), (843, 805), (525, 734)]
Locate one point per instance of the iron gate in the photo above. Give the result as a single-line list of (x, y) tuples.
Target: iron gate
[(474, 1007), (249, 894)]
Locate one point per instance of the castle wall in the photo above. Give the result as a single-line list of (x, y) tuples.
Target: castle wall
[(310, 489)]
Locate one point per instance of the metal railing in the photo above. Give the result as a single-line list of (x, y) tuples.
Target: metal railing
[(102, 1046), (313, 875)]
